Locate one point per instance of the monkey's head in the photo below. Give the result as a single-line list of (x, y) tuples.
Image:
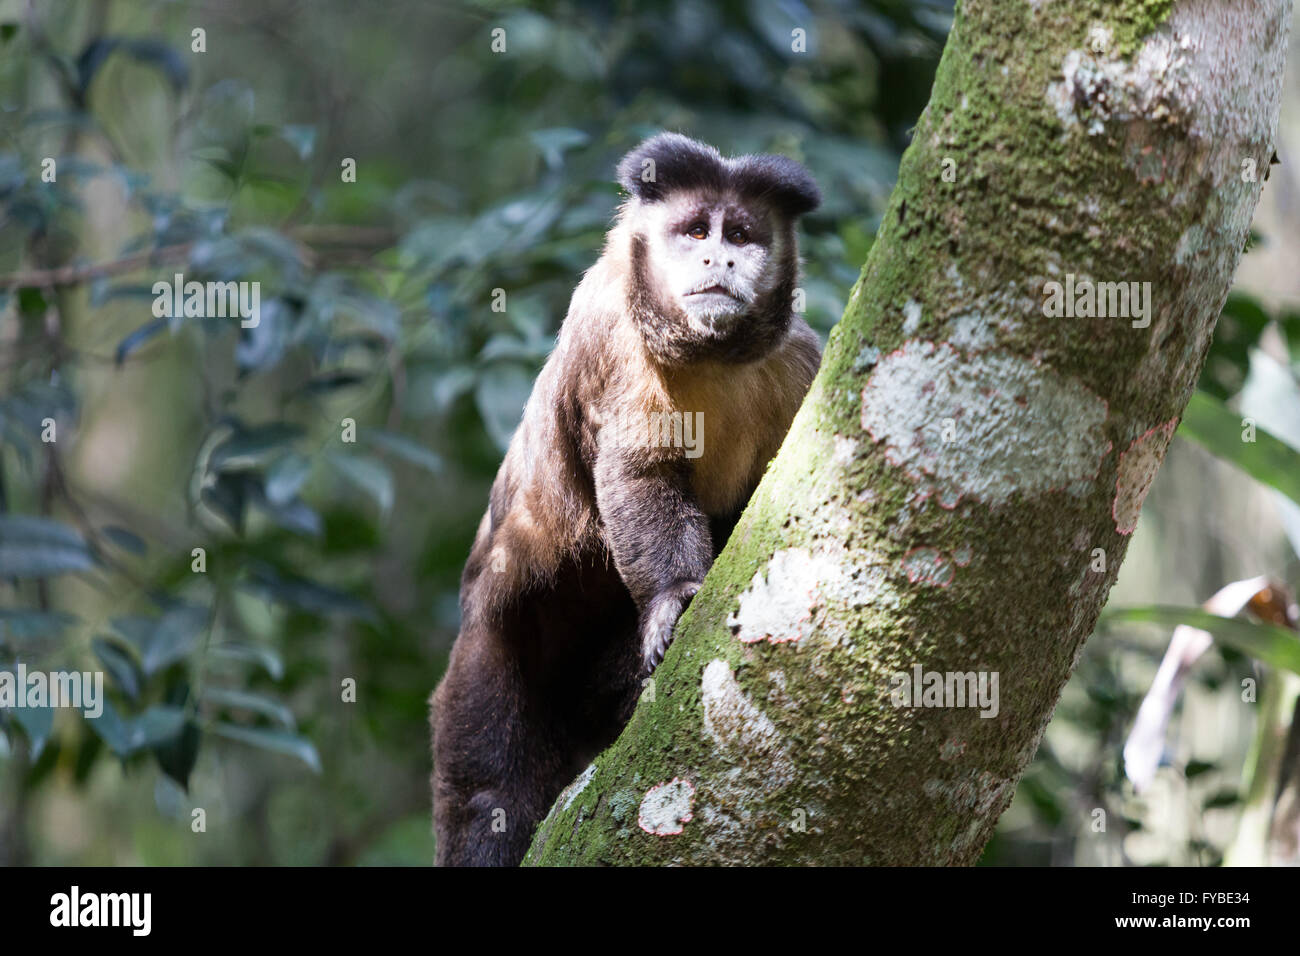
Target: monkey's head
[(714, 260)]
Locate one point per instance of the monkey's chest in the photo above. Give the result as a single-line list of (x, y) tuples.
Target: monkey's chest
[(725, 461), (738, 414)]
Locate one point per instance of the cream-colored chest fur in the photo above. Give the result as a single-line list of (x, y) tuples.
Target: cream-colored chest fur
[(737, 430)]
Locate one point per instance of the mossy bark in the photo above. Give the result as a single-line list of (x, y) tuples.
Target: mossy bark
[(957, 491)]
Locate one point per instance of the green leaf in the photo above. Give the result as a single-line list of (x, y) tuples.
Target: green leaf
[(1238, 330), (138, 338), (285, 478), (367, 474), (253, 447), (206, 153), (156, 725), (38, 547), (502, 392), (276, 741), (31, 302), (303, 594), (1267, 459), (276, 249), (102, 291), (506, 347), (1273, 645), (254, 703), (554, 142), (119, 664), (1221, 799), (23, 624), (177, 633), (229, 495), (293, 515), (301, 137), (164, 640), (451, 385), (112, 729), (36, 722), (268, 659), (228, 168), (1290, 324), (178, 755), (151, 52), (125, 540), (127, 735), (406, 449), (332, 381)]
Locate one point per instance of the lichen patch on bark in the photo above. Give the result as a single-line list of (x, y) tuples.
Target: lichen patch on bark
[(928, 566), (1156, 85), (779, 606), (666, 808), (1138, 465), (574, 790), (983, 427), (739, 730)]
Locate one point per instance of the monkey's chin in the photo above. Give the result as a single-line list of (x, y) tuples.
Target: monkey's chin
[(713, 314), (715, 327)]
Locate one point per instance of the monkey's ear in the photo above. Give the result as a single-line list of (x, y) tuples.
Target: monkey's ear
[(670, 161), (779, 180)]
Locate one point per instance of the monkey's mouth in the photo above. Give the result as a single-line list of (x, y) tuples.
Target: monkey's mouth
[(716, 290)]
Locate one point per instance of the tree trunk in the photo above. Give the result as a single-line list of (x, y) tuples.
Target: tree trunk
[(956, 493)]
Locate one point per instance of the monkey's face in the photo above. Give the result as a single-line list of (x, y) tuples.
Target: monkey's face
[(714, 257)]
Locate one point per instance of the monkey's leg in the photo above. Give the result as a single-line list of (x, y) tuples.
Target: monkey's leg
[(498, 763)]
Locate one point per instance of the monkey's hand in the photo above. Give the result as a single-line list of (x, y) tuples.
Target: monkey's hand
[(660, 618)]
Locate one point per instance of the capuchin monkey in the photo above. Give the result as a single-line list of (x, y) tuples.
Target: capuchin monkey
[(676, 374)]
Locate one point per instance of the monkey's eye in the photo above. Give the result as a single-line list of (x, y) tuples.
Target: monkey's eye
[(698, 230), (738, 237)]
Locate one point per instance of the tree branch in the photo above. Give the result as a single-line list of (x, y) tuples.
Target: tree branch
[(323, 242)]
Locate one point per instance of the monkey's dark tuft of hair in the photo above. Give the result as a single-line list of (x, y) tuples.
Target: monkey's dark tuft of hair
[(777, 179), (671, 161)]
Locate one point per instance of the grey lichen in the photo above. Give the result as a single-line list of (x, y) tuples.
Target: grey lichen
[(983, 427)]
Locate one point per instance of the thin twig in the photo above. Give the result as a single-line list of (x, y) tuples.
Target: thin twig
[(86, 272)]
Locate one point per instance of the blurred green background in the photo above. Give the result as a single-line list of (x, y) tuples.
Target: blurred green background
[(283, 689)]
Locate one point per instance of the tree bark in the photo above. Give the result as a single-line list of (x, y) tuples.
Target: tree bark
[(957, 492)]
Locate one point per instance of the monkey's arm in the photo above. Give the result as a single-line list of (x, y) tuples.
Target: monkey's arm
[(660, 539)]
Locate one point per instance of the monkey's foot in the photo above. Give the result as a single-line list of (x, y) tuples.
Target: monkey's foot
[(660, 619)]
